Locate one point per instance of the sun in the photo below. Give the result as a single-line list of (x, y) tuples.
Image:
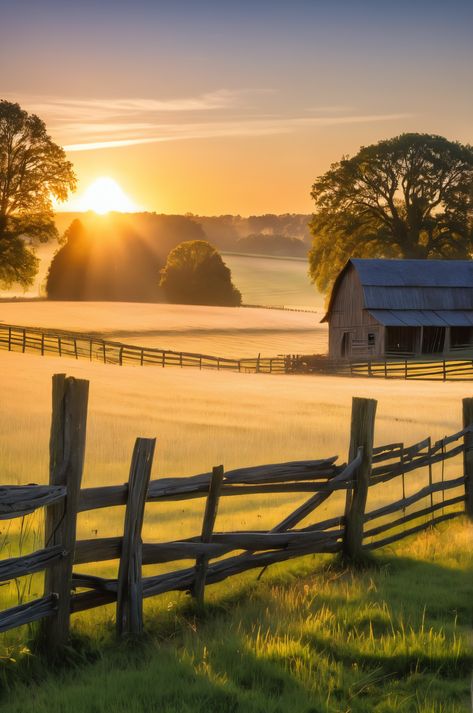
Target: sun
[(105, 195)]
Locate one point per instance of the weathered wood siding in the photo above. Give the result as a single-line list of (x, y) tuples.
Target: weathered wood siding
[(348, 316)]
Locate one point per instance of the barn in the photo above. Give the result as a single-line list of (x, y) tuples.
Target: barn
[(401, 308)]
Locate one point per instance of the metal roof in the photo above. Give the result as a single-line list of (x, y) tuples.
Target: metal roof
[(430, 298), (423, 318), (414, 273), (421, 286)]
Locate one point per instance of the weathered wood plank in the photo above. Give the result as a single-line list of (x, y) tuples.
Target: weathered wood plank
[(27, 564), (210, 514), (130, 594), (411, 499), (67, 449), (27, 613), (468, 455), (362, 436), (413, 530), (19, 500)]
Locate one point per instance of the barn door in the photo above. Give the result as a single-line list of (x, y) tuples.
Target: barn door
[(346, 345)]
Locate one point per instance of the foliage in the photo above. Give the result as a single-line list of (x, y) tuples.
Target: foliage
[(410, 197), (33, 170), (196, 274), (280, 245), (108, 262)]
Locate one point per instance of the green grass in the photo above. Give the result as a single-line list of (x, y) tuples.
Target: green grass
[(310, 636)]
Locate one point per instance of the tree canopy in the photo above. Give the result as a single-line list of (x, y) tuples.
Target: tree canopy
[(410, 197), (196, 274), (106, 262), (33, 171)]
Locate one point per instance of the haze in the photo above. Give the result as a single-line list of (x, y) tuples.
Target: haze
[(233, 107)]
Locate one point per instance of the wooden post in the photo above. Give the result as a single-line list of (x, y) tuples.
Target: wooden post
[(257, 363), (91, 349), (362, 435), (42, 343), (75, 348), (142, 357), (444, 371), (120, 356), (468, 456), (210, 515), (9, 339), (130, 588), (59, 347), (405, 368), (24, 341), (67, 448)]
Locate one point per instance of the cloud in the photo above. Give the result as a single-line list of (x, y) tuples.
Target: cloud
[(251, 127), (91, 124)]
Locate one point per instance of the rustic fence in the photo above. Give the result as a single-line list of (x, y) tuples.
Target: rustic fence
[(457, 369), (353, 532), (84, 346)]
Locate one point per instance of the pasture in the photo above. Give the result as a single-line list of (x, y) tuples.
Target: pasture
[(221, 331), (308, 637)]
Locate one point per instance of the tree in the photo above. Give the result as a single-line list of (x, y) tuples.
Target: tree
[(409, 197), (196, 274), (107, 260), (33, 170)]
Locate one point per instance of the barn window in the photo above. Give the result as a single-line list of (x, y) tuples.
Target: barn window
[(371, 339), (461, 337)]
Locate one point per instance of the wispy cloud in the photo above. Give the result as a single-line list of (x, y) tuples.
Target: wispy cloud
[(92, 124), (256, 127)]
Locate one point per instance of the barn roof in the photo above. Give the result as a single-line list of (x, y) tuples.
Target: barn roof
[(414, 292)]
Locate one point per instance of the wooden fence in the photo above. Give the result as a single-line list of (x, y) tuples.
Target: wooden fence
[(352, 532), (457, 369), (84, 346)]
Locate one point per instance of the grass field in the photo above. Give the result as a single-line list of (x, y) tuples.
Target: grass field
[(221, 331), (309, 637)]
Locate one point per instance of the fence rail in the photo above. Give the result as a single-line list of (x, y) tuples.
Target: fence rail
[(87, 346), (352, 532), (458, 369)]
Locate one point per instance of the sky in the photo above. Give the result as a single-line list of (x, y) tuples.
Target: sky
[(233, 107)]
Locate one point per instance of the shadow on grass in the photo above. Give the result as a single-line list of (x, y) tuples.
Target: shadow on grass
[(215, 661)]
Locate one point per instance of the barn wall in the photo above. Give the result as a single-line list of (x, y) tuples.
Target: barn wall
[(348, 316)]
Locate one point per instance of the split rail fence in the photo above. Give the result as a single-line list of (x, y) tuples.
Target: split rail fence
[(84, 346), (352, 532)]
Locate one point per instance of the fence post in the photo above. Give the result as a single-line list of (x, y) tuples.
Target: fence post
[(130, 588), (210, 515), (66, 448), (42, 343), (9, 339), (120, 356), (24, 341), (362, 435), (468, 456)]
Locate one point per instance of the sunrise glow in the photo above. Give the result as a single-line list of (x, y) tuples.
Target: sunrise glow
[(105, 195)]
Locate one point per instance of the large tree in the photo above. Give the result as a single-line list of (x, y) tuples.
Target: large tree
[(410, 197), (196, 274), (33, 171)]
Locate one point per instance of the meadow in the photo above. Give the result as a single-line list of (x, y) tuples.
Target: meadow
[(311, 635), (220, 331)]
